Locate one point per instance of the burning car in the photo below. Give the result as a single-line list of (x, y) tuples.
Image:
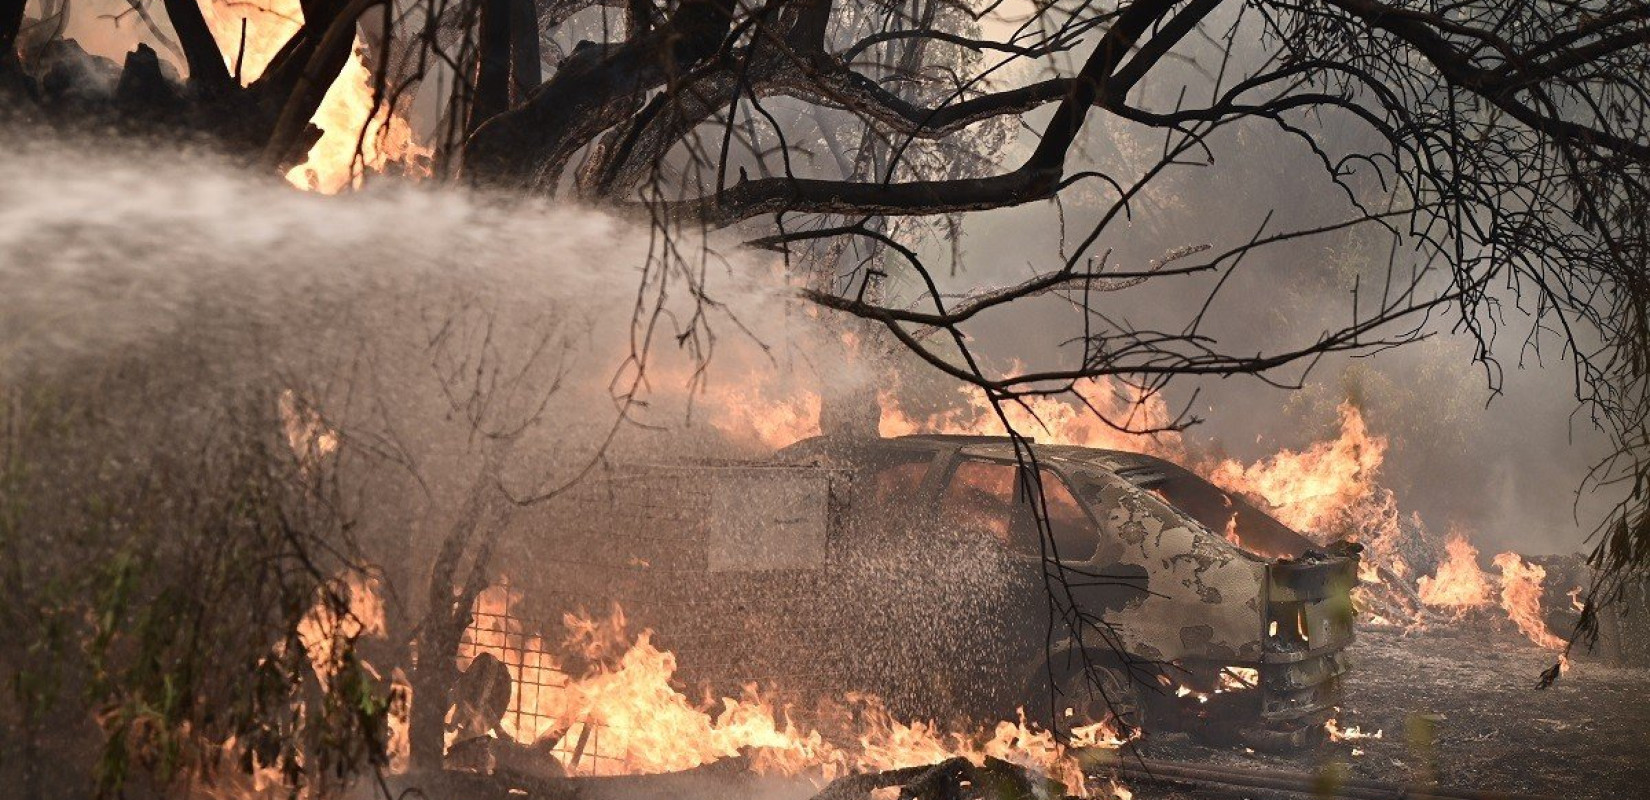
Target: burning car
[(916, 568)]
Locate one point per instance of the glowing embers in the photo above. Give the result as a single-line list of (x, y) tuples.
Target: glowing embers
[(1348, 733), (1228, 680), (1289, 629), (1238, 679)]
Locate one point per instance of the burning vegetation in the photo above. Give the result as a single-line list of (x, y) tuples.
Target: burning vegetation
[(623, 711)]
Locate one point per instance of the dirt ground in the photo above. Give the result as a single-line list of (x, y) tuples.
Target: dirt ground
[(1461, 703)]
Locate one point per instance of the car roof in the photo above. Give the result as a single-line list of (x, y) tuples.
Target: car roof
[(1147, 473), (1122, 462)]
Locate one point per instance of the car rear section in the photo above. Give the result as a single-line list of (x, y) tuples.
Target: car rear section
[(1303, 652), (1247, 621)]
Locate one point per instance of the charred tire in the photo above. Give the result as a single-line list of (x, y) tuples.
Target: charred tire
[(1079, 697)]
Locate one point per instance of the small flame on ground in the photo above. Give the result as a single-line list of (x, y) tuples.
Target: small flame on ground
[(1350, 732)]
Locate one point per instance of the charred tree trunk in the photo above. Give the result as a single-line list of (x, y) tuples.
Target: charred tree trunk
[(525, 71), (492, 85), (298, 78), (480, 521), (207, 72), (432, 683), (11, 22), (594, 89)]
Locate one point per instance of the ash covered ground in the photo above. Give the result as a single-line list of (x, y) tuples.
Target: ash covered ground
[(1587, 736)]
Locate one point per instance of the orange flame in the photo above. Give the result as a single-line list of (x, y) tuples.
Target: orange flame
[(1459, 585), (323, 630), (1315, 489), (762, 412), (625, 714), (1330, 490), (743, 413), (347, 109), (1339, 734), (1521, 598), (1053, 420)]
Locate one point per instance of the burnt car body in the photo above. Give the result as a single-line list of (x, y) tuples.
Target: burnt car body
[(915, 568), (1240, 638)]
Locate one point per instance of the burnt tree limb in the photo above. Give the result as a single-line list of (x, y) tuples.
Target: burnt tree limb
[(207, 71), (298, 77), (597, 83), (479, 522), (492, 83), (526, 71), (806, 195), (1039, 178), (1500, 86), (299, 87), (1140, 35), (793, 63)]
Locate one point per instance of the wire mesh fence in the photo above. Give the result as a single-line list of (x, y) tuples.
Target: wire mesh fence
[(537, 680)]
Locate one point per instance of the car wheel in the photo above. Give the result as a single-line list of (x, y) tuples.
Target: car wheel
[(1102, 693)]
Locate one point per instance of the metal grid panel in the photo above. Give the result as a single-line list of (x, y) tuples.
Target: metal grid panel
[(534, 680)]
